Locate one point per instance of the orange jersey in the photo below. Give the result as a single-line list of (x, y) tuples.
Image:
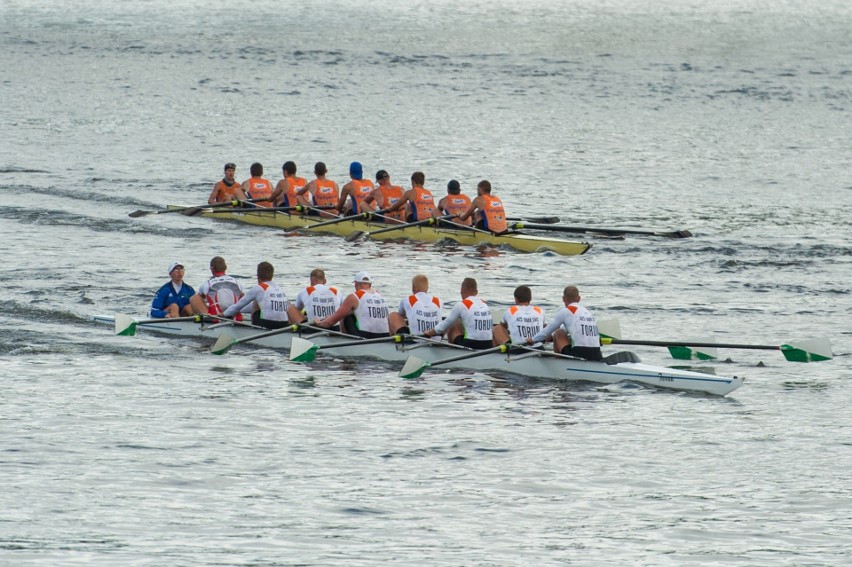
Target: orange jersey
[(423, 204), (390, 195), (363, 189), (493, 215), (293, 185), (325, 193), (456, 205), (260, 188), (224, 193)]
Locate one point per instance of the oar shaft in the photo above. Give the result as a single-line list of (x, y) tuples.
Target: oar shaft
[(430, 220), (501, 348), (388, 339), (614, 231), (606, 341)]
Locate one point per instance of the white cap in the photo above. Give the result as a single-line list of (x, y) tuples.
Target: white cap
[(174, 265), (363, 277)]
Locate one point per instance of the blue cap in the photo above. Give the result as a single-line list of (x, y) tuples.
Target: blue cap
[(355, 170)]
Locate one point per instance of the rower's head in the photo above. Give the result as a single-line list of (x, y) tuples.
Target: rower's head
[(453, 187), (289, 168), (381, 176), (419, 283), (317, 276), (468, 287), (483, 187), (363, 280), (218, 265), (320, 169), (418, 178), (230, 170), (523, 295), (256, 169), (356, 170), (265, 272), (570, 295)]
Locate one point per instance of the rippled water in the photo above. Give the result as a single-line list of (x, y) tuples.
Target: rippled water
[(728, 119)]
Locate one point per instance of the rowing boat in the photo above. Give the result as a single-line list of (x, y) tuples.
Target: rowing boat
[(620, 367), (516, 240)]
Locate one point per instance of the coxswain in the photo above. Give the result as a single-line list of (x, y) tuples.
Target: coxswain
[(225, 189), (172, 299), (469, 322), (488, 210), (364, 312), (574, 329)]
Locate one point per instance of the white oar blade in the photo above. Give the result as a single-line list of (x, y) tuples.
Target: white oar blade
[(812, 350), (302, 350), (414, 367), (223, 344), (698, 353), (125, 325), (609, 328)]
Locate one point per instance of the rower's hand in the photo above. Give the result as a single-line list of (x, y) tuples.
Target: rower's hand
[(319, 323), (429, 333), (529, 340)]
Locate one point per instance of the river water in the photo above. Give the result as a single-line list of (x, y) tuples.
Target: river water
[(730, 119)]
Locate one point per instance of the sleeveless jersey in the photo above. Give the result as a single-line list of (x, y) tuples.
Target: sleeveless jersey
[(523, 321), (475, 317), (390, 195), (363, 189), (293, 185), (259, 188), (325, 193), (371, 315), (456, 205), (422, 311), (221, 291), (578, 322), (273, 304), (423, 204), (318, 301), (493, 215), (225, 193)]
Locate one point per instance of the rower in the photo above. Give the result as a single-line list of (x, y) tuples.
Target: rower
[(455, 203), (521, 321), (318, 300), (383, 197), (419, 202), (574, 330), (364, 312), (488, 210), (320, 192), (270, 307), (286, 189), (218, 292), (256, 187), (355, 191), (469, 322), (417, 313)]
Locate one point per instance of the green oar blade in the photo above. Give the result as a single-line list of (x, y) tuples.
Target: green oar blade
[(302, 350), (414, 367), (223, 344), (813, 350), (125, 325), (698, 353)]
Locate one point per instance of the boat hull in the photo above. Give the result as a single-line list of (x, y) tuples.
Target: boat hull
[(517, 241), (531, 364)]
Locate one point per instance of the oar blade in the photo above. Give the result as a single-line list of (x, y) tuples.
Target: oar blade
[(137, 214), (413, 367), (813, 350), (355, 235), (125, 325), (692, 352), (223, 344), (302, 350), (609, 328), (192, 211)]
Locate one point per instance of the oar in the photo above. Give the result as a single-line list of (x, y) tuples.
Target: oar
[(125, 325), (542, 220), (415, 366), (358, 234), (184, 210), (359, 216), (302, 350), (612, 231), (224, 343), (813, 350)]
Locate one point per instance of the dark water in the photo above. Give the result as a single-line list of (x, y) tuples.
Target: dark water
[(728, 119)]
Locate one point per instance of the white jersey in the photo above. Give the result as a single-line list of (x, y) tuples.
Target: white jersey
[(371, 315), (271, 301), (221, 291), (578, 322), (318, 301), (475, 316), (422, 312), (523, 321)]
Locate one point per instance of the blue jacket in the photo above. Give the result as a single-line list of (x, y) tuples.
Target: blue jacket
[(166, 295)]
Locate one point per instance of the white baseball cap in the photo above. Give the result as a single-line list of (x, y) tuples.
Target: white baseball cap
[(363, 277), (174, 265)]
